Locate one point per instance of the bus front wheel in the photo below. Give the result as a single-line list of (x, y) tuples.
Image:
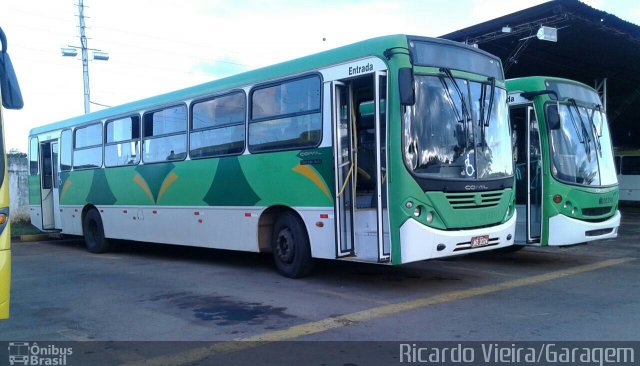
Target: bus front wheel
[(94, 233), (290, 245)]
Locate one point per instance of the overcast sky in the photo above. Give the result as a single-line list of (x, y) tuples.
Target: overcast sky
[(156, 46)]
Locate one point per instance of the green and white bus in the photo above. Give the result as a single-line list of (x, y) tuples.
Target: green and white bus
[(391, 150), (11, 99), (566, 186)]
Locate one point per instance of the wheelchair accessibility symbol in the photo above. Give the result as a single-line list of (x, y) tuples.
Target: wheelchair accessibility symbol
[(469, 164)]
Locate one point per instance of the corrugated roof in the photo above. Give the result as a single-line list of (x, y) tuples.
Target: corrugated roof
[(592, 45)]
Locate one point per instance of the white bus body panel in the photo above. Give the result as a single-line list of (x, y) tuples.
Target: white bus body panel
[(564, 230), (629, 186), (233, 228), (419, 242)]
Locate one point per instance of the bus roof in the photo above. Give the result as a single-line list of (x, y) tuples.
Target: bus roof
[(534, 83), (565, 88), (366, 48)]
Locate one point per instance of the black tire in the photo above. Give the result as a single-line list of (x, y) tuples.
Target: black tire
[(94, 233), (290, 245)]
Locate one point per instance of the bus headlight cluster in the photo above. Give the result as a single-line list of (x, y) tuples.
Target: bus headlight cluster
[(417, 212), (429, 217)]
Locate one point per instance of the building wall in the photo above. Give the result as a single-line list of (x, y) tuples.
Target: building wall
[(18, 169)]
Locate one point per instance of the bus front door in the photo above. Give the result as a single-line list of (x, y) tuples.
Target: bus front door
[(49, 168), (56, 184), (359, 124), (534, 165), (344, 163), (528, 162)]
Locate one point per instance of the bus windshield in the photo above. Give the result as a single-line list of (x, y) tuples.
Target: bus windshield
[(581, 146), (457, 129)]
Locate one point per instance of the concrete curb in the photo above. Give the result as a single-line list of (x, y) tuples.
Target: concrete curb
[(34, 237)]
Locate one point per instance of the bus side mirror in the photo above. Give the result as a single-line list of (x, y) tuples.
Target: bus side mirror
[(405, 82), (553, 116), (11, 95)]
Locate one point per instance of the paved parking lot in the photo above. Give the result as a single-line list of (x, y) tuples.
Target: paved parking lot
[(60, 292)]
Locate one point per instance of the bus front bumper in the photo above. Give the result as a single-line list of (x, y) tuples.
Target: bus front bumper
[(5, 280), (564, 230), (419, 242)]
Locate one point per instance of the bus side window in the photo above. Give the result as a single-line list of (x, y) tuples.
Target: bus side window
[(123, 141), (217, 126), (165, 134), (630, 165), (33, 156), (617, 164), (286, 115), (46, 166), (87, 152), (65, 150)]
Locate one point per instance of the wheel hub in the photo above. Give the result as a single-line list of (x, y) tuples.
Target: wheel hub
[(285, 246)]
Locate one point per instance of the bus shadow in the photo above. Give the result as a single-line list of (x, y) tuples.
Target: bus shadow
[(175, 253), (423, 274)]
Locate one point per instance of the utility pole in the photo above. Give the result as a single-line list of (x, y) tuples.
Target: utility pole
[(85, 57), (72, 51)]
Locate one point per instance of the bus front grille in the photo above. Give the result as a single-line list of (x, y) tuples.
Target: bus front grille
[(474, 200), (596, 211)]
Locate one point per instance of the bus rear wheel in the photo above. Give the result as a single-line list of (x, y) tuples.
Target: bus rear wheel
[(290, 245), (94, 233)]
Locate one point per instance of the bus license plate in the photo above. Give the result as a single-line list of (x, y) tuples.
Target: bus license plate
[(479, 241)]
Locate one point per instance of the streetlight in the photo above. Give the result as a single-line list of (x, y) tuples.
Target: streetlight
[(72, 51), (69, 51)]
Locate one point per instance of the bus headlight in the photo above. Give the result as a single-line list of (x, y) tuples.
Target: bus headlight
[(417, 212), (429, 217)]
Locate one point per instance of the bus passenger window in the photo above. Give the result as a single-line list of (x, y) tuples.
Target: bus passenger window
[(123, 142), (286, 116), (33, 156), (87, 152), (165, 134), (65, 150), (630, 165), (217, 126)]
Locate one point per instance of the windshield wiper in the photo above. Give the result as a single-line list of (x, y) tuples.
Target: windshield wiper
[(450, 99), (449, 75), (482, 122), (492, 80), (583, 132), (595, 129), (467, 116)]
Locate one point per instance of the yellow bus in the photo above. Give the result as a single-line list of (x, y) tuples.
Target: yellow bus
[(11, 99)]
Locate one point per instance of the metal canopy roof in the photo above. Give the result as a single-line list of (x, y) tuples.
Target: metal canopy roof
[(592, 45)]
